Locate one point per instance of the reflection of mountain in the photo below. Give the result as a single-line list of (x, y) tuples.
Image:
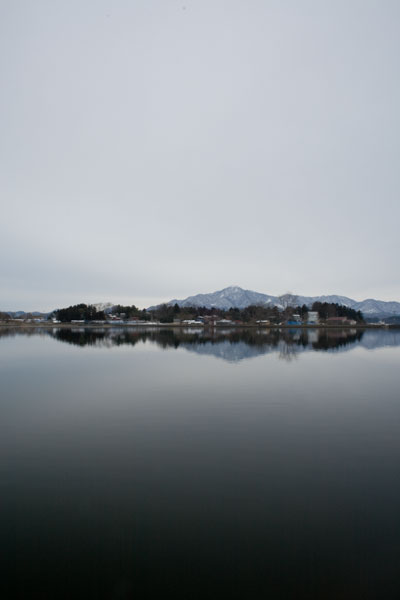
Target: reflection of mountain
[(374, 339), (231, 345), (287, 344), (227, 350)]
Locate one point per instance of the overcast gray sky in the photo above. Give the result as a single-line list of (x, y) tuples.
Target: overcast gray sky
[(153, 149)]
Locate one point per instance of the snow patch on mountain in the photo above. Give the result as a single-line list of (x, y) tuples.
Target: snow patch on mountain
[(106, 306)]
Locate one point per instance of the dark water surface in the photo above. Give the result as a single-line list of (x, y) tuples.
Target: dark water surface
[(136, 464)]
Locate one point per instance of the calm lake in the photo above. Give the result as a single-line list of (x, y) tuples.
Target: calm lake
[(139, 463)]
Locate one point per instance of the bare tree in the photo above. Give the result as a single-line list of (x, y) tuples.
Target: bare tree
[(287, 351)]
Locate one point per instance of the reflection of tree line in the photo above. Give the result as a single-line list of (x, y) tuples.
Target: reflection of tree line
[(288, 342), (13, 331), (336, 339)]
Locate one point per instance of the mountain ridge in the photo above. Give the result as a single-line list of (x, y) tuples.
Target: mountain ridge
[(237, 297)]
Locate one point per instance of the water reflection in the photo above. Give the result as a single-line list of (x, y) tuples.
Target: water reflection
[(146, 470), (231, 345)]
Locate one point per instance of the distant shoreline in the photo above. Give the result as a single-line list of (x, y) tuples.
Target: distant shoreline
[(46, 325)]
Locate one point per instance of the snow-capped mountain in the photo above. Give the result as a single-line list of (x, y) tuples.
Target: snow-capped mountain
[(343, 300), (236, 297), (229, 297)]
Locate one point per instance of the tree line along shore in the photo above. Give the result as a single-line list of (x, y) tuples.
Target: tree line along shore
[(320, 314)]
